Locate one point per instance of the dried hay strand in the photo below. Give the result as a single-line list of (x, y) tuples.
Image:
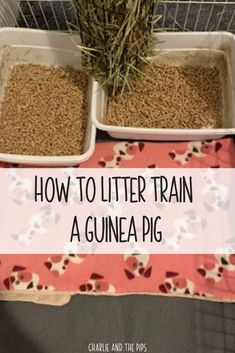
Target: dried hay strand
[(116, 40)]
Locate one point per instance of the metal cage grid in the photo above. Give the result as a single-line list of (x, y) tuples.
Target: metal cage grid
[(174, 15)]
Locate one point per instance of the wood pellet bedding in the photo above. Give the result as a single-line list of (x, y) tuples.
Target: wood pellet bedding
[(170, 97), (44, 111)]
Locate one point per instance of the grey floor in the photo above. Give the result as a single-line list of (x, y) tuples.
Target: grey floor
[(165, 325)]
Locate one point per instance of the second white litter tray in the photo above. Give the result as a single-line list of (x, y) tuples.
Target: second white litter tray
[(204, 45), (30, 46)]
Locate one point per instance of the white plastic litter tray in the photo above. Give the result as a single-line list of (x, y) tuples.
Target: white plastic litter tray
[(194, 49), (47, 48)]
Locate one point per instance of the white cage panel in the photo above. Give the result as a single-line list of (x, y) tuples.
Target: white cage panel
[(196, 15), (9, 12), (174, 15), (43, 14)]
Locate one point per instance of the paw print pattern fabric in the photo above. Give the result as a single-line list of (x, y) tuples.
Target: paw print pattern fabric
[(52, 279)]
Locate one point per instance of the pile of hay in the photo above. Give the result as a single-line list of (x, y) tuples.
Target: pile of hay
[(116, 39)]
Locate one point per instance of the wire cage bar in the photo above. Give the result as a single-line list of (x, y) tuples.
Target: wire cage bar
[(174, 15), (43, 14)]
